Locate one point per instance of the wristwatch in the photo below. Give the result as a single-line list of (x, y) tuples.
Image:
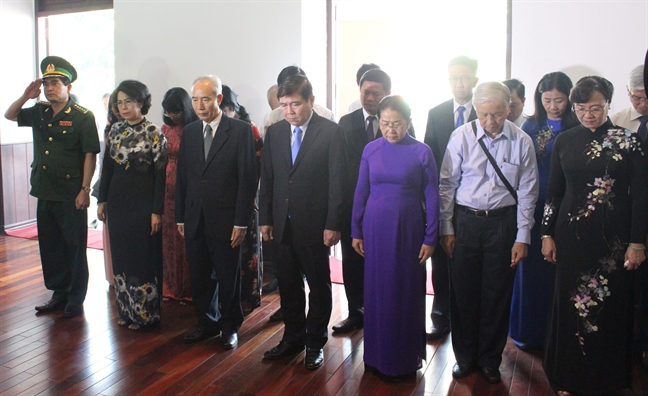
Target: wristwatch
[(86, 189)]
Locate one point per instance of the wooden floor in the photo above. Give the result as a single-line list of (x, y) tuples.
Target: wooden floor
[(91, 355)]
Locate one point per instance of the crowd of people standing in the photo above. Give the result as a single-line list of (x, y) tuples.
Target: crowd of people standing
[(534, 224)]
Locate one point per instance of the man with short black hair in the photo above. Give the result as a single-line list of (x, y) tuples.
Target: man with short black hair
[(301, 207), (442, 120), (356, 104), (517, 101), (360, 128), (65, 147)]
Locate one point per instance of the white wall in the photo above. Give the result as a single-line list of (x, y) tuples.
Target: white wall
[(605, 38), (245, 43), (17, 68)]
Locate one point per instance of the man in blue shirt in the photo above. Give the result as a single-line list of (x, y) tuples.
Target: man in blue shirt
[(485, 226)]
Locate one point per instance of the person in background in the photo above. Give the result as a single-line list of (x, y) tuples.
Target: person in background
[(62, 171), (594, 229), (356, 104), (252, 254), (534, 277), (442, 120), (486, 221), (395, 222), (113, 117), (131, 196), (273, 102), (635, 118), (517, 101), (177, 114), (360, 127)]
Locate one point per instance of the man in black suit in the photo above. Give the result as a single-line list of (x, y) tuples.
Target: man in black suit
[(215, 191), (442, 121), (360, 127), (301, 206)]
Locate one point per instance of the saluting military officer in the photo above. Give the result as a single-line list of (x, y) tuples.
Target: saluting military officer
[(65, 148)]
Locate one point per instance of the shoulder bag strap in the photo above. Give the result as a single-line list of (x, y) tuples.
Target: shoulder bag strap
[(494, 164)]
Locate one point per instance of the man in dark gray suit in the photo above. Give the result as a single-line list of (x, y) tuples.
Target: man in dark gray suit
[(360, 127), (442, 121), (301, 206), (215, 190)]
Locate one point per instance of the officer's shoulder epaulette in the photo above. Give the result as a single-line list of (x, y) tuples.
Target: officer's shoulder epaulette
[(80, 109), (43, 103)]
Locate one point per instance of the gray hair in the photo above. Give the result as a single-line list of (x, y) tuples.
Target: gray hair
[(635, 79), (492, 92), (216, 83)]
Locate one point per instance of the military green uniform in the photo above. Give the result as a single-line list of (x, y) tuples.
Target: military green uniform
[(60, 145)]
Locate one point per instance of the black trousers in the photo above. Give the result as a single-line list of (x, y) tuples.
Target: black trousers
[(441, 282), (481, 285), (62, 240), (294, 261), (353, 273), (215, 271), (641, 331)]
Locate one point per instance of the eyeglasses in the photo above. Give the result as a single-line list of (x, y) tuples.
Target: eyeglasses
[(594, 110), (463, 79), (126, 102), (637, 99), (393, 126), (172, 114)]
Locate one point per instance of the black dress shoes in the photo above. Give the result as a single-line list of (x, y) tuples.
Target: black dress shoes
[(461, 370), (314, 358), (72, 310), (438, 332), (491, 375), (277, 316), (201, 332), (347, 325), (272, 286), (52, 305), (282, 350), (229, 340)]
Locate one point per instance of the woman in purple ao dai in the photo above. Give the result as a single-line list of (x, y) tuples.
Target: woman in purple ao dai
[(394, 227)]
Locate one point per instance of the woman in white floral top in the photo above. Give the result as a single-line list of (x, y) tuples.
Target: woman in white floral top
[(594, 228), (132, 195)]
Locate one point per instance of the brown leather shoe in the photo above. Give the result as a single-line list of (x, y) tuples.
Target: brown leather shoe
[(52, 305), (72, 310)]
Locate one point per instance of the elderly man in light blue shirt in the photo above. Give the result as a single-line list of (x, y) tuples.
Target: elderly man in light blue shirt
[(486, 220)]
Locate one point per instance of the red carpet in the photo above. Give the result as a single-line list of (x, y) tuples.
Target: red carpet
[(95, 239), (336, 274)]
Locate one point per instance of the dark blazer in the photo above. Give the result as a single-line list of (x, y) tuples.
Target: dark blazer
[(312, 190), (440, 125), (355, 135), (222, 187)]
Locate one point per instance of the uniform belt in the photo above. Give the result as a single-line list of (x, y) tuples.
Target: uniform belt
[(486, 213)]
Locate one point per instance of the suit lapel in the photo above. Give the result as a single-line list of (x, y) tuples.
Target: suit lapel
[(220, 137), (361, 125)]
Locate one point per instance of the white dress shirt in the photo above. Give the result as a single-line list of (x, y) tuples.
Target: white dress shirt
[(467, 177), (627, 118), (376, 125)]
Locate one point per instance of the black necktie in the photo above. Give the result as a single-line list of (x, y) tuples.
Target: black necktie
[(371, 134), (643, 130), (208, 139)]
